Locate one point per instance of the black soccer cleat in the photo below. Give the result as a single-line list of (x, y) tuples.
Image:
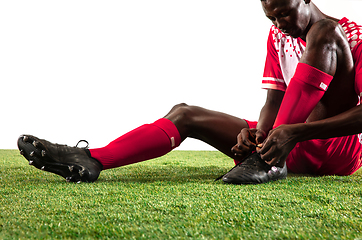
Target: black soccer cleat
[(254, 170), (72, 163)]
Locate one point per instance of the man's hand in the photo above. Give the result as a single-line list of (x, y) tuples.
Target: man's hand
[(278, 144), (247, 140)]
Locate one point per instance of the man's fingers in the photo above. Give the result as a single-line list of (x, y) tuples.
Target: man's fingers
[(242, 148), (273, 162), (265, 147), (267, 151), (247, 137), (267, 156), (260, 136), (238, 150), (245, 142)]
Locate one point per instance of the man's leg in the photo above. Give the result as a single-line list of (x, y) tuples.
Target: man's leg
[(148, 141), (156, 139), (220, 130), (145, 142)]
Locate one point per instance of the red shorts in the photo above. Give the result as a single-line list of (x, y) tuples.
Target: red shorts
[(333, 156)]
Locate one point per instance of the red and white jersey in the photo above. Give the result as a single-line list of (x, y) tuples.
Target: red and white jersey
[(284, 53), (354, 36)]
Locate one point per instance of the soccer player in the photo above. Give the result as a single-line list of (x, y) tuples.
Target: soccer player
[(309, 123)]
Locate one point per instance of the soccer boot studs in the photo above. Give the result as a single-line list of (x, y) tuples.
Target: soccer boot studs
[(72, 163)]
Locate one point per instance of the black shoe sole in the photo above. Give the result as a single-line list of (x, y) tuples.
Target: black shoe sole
[(232, 181)]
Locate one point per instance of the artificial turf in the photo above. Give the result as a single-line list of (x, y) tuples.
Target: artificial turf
[(175, 197)]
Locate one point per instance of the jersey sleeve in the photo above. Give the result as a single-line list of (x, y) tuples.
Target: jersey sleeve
[(273, 77)]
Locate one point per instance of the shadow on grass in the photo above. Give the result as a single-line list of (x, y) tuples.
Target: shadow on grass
[(205, 174), (179, 174), (148, 174), (136, 174)]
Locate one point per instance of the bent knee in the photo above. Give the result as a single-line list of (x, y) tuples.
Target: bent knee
[(181, 113), (177, 107), (180, 105), (181, 109)]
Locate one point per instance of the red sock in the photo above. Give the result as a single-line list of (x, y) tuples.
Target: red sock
[(145, 142), (304, 91)]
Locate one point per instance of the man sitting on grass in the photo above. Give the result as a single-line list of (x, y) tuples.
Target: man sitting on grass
[(309, 123)]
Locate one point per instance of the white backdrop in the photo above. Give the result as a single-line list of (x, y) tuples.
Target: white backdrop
[(81, 69)]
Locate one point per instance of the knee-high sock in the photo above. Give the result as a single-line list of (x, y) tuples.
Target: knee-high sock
[(145, 142), (304, 91)]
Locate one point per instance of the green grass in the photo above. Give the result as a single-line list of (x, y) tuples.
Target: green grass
[(175, 197)]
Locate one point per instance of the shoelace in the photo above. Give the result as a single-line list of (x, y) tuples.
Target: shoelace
[(80, 141)]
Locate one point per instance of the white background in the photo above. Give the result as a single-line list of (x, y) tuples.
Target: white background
[(81, 69)]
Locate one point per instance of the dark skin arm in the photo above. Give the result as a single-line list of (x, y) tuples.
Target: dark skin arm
[(347, 123), (283, 139), (268, 114), (249, 138)]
